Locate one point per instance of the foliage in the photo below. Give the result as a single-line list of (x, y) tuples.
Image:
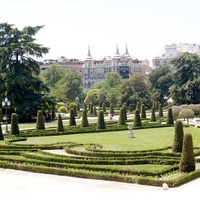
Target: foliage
[(137, 119), (40, 121), (176, 110), (62, 109), (92, 96), (143, 111), (94, 111), (112, 112), (75, 110), (104, 107), (178, 137), (100, 122), (170, 119), (72, 120), (58, 105), (186, 88), (60, 127), (153, 115), (1, 133), (160, 111), (19, 71), (187, 163), (122, 120), (14, 129), (194, 108), (84, 122), (186, 114)]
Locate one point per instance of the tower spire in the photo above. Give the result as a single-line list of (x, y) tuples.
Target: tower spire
[(89, 53), (117, 52), (126, 51)]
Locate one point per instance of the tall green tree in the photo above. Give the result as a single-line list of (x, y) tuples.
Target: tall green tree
[(186, 88), (19, 70)]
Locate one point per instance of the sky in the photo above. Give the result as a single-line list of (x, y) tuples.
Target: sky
[(70, 26)]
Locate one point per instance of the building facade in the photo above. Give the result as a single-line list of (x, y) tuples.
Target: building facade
[(95, 70), (172, 51)]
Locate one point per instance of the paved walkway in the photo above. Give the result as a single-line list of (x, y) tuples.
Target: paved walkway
[(20, 185)]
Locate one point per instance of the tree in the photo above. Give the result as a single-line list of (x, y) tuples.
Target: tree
[(14, 129), (60, 127), (170, 119), (72, 120), (40, 121), (186, 88), (178, 137), (137, 119), (187, 163), (18, 69), (84, 122), (100, 122), (92, 96)]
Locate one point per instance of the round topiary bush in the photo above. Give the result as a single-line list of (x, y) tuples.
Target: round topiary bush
[(187, 163), (137, 119), (100, 121), (72, 120), (170, 119), (178, 137), (186, 114), (14, 129), (62, 109), (176, 110), (40, 121), (194, 108), (122, 120), (84, 122), (60, 127), (153, 115)]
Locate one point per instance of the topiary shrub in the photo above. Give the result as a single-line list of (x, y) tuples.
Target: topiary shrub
[(104, 107), (160, 110), (194, 108), (94, 111), (153, 115), (91, 108), (186, 114), (122, 120), (187, 163), (85, 106), (125, 111), (176, 110), (75, 110), (60, 127), (143, 111), (40, 121), (111, 109), (100, 121), (178, 137), (62, 109), (14, 129), (84, 122), (58, 105), (170, 119), (1, 133), (137, 120), (138, 106), (72, 120)]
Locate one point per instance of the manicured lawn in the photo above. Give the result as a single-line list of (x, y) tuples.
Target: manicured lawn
[(144, 139)]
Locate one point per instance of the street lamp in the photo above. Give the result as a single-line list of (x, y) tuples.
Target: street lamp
[(6, 104)]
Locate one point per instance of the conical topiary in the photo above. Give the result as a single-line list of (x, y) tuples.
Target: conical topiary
[(137, 120), (178, 137), (125, 111), (160, 110), (100, 121), (122, 120), (60, 127), (143, 111), (75, 110), (111, 109), (153, 115), (40, 121), (104, 107), (187, 163), (1, 133), (170, 119), (14, 129), (84, 122), (72, 120)]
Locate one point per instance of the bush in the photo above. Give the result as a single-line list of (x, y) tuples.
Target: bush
[(84, 122), (104, 107), (40, 121), (170, 119), (178, 137), (62, 109), (75, 110), (176, 110), (160, 110), (194, 108), (125, 111), (14, 129), (111, 109), (72, 121), (153, 115), (122, 120), (58, 105), (143, 112), (186, 114), (187, 163), (100, 121), (60, 127), (137, 120)]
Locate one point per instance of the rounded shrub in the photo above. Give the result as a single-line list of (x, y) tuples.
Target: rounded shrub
[(60, 127), (1, 133), (176, 110), (194, 108), (122, 120), (100, 121), (170, 119), (84, 122), (143, 112), (40, 121), (153, 115), (187, 163), (137, 119), (58, 105), (14, 129), (178, 137), (186, 114), (62, 109), (72, 120)]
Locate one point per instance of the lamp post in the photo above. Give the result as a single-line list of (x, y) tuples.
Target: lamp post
[(6, 104)]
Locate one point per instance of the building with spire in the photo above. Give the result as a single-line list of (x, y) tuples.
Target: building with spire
[(95, 70)]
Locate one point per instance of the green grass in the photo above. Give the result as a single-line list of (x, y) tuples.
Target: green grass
[(144, 139)]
